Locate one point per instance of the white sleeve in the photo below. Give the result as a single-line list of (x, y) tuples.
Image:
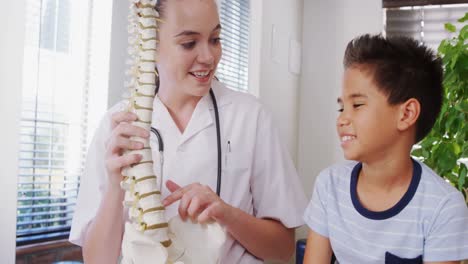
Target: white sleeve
[(276, 188), (92, 182)]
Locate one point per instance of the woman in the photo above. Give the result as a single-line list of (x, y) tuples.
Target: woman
[(261, 199)]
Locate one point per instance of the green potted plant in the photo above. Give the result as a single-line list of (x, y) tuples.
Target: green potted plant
[(445, 149)]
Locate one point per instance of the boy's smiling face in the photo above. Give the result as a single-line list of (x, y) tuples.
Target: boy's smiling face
[(367, 123)]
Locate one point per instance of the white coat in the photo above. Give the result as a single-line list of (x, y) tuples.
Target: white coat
[(258, 175)]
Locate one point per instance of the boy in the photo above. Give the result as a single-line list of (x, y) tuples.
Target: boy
[(386, 207)]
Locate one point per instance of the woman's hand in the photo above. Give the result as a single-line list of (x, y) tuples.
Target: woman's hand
[(118, 142), (103, 239), (259, 236), (198, 202)]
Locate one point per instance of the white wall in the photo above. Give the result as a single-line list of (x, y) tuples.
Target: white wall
[(327, 28), (11, 53), (278, 87)]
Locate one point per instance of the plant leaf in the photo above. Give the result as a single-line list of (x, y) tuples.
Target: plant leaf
[(443, 46), (464, 18), (450, 27), (464, 32), (462, 176), (464, 106), (463, 62), (446, 146), (446, 158), (451, 177), (417, 152)]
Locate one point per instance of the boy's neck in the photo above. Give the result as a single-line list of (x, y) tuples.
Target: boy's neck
[(383, 182), (387, 174), (391, 167)]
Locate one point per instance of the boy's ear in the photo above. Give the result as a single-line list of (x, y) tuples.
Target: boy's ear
[(409, 114)]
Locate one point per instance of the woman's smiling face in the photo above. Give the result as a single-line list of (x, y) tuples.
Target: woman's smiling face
[(189, 47)]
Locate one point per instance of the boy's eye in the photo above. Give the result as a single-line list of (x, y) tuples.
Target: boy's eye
[(188, 45), (340, 109), (357, 105)]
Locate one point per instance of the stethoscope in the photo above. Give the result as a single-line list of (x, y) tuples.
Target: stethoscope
[(218, 141)]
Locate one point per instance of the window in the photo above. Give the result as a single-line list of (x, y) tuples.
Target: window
[(53, 117), (55, 25), (424, 23), (233, 67)]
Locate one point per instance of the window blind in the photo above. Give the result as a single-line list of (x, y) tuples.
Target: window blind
[(234, 64), (402, 3), (424, 23), (53, 118)]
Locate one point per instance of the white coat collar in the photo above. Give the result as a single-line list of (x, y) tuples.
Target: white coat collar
[(202, 117)]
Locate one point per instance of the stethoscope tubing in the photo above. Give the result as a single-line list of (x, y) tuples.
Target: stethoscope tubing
[(218, 143)]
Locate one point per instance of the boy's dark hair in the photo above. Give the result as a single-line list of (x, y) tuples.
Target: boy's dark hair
[(402, 69)]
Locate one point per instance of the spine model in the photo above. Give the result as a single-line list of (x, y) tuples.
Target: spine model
[(148, 237), (147, 225)]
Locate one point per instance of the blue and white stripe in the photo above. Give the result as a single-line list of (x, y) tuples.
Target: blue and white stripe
[(430, 221)]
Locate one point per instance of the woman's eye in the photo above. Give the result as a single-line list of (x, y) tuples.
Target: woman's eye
[(215, 40), (340, 109), (188, 45)]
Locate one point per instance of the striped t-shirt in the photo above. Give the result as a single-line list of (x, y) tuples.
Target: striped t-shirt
[(429, 223)]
